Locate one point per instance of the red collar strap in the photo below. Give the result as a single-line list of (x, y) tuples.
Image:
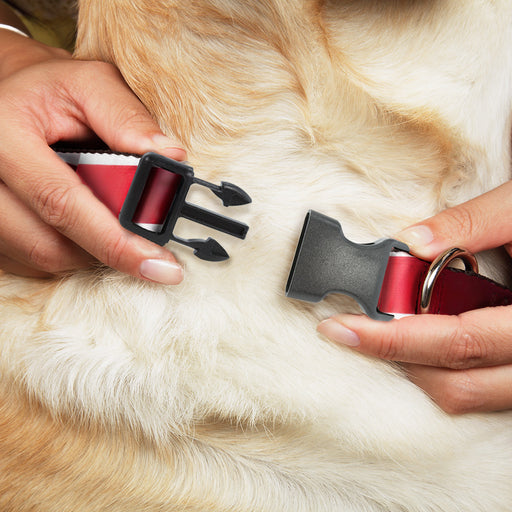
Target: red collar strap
[(383, 277), (148, 195), (452, 291)]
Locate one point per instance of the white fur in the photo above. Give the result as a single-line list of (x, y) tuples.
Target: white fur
[(321, 428)]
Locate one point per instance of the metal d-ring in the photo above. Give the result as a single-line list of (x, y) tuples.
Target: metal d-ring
[(437, 267)]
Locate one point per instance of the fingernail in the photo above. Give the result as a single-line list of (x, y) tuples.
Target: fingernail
[(161, 271), (416, 237), (169, 146), (338, 333)]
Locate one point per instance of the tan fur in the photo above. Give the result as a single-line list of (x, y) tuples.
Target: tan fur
[(217, 394)]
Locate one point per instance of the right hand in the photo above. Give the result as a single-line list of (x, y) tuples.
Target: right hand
[(463, 362), (50, 221)]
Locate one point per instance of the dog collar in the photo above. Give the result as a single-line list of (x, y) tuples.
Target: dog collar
[(148, 194), (383, 277)]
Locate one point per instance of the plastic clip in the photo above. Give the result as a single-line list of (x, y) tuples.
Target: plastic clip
[(326, 262), (182, 177)]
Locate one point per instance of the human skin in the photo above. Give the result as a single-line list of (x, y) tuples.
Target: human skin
[(51, 222), (463, 362)]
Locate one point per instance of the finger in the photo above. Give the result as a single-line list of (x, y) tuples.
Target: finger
[(52, 108), (477, 225), (59, 100), (117, 116), (14, 267), (463, 391), (56, 194), (30, 243), (473, 339)]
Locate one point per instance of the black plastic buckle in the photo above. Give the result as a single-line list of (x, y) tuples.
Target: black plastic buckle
[(208, 249), (326, 262)]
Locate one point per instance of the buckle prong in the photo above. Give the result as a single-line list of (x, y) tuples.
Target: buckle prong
[(208, 249)]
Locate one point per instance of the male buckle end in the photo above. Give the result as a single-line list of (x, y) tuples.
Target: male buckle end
[(178, 178)]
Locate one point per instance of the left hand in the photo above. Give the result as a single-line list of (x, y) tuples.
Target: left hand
[(50, 221), (463, 362)]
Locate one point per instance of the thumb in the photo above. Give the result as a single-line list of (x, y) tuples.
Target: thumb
[(479, 224), (119, 118)]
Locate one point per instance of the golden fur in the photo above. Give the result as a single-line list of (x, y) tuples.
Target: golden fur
[(217, 394)]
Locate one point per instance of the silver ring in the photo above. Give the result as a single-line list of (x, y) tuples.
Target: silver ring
[(437, 267)]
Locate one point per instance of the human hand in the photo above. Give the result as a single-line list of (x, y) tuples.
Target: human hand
[(51, 222), (463, 362)]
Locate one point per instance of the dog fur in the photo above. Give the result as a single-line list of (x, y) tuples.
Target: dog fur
[(217, 394)]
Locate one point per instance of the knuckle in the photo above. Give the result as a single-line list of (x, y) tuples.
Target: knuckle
[(465, 349), (461, 220), (388, 347), (129, 120), (134, 116), (115, 252), (54, 203), (460, 394), (43, 257)]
